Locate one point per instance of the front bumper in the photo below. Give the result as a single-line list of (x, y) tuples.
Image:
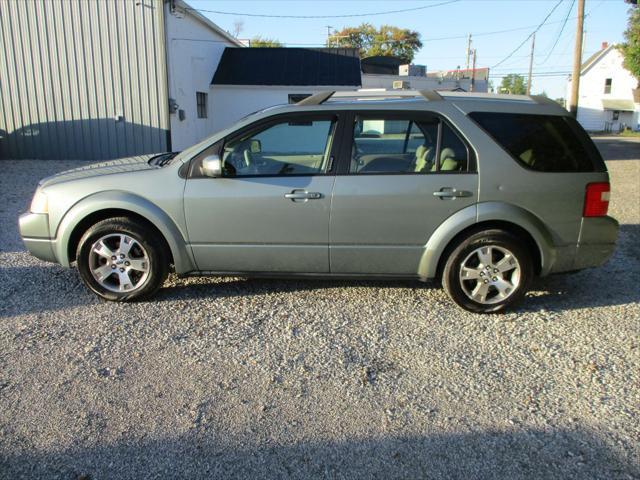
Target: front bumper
[(34, 230), (597, 242)]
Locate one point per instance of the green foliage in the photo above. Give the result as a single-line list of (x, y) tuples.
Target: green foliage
[(631, 48), (264, 42), (387, 40), (513, 84)]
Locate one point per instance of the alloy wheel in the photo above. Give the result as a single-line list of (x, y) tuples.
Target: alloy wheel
[(490, 274), (119, 263)]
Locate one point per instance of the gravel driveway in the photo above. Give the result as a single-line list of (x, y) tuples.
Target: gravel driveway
[(243, 378)]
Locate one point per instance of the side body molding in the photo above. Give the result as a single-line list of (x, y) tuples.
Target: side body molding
[(115, 199), (486, 212)]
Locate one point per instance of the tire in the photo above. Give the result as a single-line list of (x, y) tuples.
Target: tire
[(104, 265), (500, 282)]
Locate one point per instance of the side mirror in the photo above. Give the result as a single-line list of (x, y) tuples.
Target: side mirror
[(212, 166), (256, 146)]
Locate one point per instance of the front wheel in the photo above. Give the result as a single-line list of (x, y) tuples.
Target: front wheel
[(488, 272), (121, 259)]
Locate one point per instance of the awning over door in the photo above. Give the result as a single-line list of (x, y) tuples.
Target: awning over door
[(618, 104)]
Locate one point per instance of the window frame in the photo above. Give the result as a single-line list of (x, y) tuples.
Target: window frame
[(416, 116), (608, 84), (203, 105), (217, 148)]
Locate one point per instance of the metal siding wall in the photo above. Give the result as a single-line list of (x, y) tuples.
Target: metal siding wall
[(69, 67)]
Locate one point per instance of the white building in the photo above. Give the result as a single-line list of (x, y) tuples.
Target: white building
[(391, 72), (194, 46), (250, 79), (606, 96)]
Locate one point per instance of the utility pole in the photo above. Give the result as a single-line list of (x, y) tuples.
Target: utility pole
[(533, 46), (329, 27), (473, 72), (577, 62), (468, 49)]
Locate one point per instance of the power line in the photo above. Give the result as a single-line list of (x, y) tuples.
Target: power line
[(530, 35), (370, 14), (564, 23)]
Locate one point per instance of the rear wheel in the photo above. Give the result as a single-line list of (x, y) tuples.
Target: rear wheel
[(488, 272), (121, 259)]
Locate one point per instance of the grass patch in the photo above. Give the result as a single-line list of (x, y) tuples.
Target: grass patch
[(629, 133)]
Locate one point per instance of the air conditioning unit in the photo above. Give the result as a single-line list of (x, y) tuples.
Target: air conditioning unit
[(401, 85), (412, 70)]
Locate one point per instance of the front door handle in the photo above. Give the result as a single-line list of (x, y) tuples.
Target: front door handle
[(302, 195), (448, 192)]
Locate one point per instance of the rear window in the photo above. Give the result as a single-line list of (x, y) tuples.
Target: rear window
[(545, 143)]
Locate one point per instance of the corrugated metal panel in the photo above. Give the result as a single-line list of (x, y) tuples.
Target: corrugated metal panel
[(82, 79)]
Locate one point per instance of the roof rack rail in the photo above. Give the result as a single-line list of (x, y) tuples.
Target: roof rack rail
[(316, 99), (321, 97), (430, 95)]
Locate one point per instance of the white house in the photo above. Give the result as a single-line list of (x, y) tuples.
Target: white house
[(606, 96)]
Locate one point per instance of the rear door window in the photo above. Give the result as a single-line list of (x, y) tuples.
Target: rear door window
[(545, 143), (391, 145)]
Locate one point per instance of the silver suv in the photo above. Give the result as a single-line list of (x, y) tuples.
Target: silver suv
[(482, 192)]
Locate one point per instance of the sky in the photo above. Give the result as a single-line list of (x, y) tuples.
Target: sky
[(605, 22)]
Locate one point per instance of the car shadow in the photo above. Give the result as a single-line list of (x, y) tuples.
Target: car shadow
[(205, 452), (48, 287)]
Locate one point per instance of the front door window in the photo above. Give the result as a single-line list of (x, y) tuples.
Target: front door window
[(291, 147)]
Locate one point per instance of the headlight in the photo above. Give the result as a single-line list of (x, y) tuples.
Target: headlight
[(39, 203)]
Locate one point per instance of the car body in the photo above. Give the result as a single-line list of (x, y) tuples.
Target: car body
[(375, 185)]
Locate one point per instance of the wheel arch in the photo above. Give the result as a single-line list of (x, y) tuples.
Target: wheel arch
[(92, 210), (484, 216)]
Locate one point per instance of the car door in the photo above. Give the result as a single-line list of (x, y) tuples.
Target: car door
[(404, 174), (269, 211)]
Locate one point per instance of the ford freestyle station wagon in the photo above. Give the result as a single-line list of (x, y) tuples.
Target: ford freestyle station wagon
[(480, 192)]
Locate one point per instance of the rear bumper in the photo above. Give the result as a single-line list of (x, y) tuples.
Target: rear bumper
[(597, 242), (34, 230)]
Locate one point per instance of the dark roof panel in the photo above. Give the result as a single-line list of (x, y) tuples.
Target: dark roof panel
[(382, 65), (288, 66)]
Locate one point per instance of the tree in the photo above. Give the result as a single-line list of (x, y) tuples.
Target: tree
[(513, 84), (264, 42), (631, 48), (387, 40)]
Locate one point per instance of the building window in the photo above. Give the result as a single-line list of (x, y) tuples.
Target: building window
[(616, 115), (298, 97), (201, 102), (607, 85)]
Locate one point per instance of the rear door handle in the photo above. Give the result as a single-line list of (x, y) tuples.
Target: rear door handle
[(302, 195), (448, 192)]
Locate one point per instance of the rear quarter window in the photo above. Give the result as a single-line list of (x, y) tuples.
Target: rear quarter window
[(545, 143)]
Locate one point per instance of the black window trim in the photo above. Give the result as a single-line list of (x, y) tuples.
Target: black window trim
[(598, 163), (337, 117), (410, 115)]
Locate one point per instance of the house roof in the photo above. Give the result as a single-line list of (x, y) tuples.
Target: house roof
[(187, 9), (595, 58), (288, 66)]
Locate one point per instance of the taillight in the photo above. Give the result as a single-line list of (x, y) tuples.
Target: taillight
[(596, 200)]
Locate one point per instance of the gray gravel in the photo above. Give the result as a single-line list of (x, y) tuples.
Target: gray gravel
[(239, 378)]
